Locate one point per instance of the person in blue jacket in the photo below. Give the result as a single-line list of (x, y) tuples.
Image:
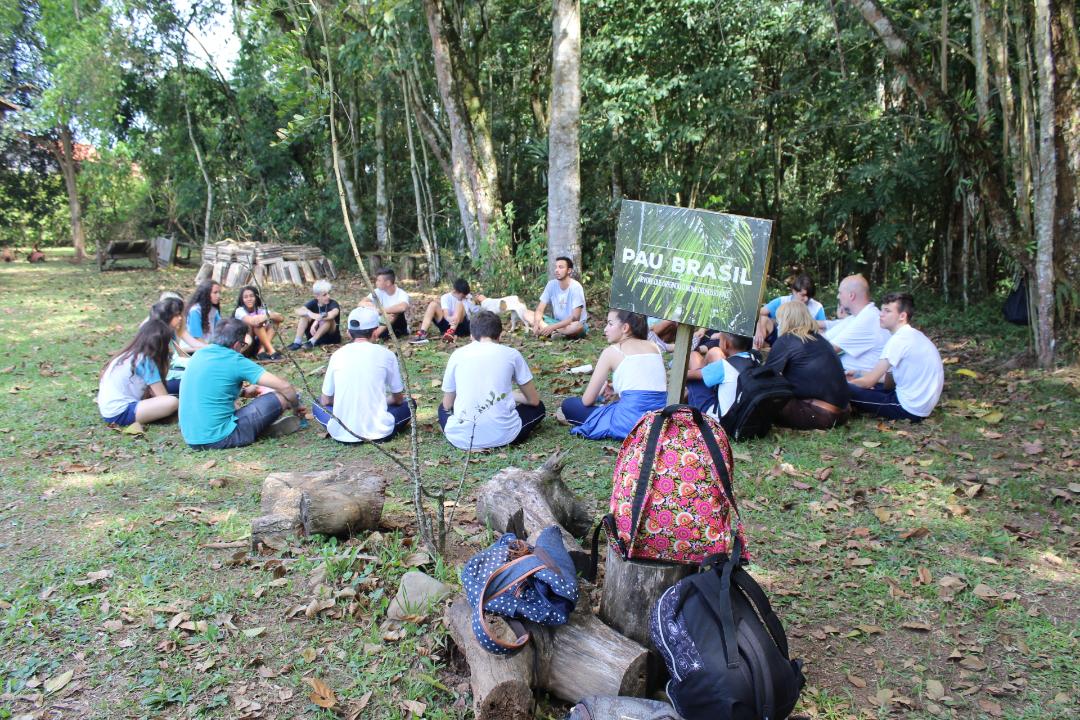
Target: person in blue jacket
[(802, 289)]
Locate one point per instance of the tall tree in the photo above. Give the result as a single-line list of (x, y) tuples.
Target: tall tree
[(564, 151)]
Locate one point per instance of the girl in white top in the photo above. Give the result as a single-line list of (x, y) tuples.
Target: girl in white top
[(261, 322), (638, 381), (131, 388)]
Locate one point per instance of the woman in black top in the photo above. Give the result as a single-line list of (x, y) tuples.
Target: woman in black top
[(810, 364)]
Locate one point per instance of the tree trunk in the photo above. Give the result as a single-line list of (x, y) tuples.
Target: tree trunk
[(472, 157), (978, 50), (427, 242), (382, 204), (198, 155), (1067, 88), (564, 152), (1045, 186), (66, 158)]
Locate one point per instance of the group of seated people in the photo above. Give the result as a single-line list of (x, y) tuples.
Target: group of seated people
[(870, 359)]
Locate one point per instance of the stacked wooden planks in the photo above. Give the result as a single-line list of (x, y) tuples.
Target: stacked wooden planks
[(234, 264)]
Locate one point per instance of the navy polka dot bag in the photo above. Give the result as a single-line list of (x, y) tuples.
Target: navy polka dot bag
[(520, 582)]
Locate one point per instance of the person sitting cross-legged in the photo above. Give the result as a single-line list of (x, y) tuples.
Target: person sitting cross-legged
[(131, 388), (711, 381), (907, 381), (480, 408), (317, 319), (203, 312), (858, 336), (638, 382), (802, 289), (212, 382), (262, 321), (356, 383), (569, 318), (450, 314), (809, 363), (394, 301)]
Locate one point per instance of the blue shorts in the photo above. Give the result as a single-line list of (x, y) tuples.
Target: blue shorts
[(125, 418)]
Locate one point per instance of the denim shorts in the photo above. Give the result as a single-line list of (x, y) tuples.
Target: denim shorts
[(125, 418)]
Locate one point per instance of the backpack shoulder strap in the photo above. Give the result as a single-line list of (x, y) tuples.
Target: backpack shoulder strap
[(753, 592), (647, 461), (714, 587), (718, 459)]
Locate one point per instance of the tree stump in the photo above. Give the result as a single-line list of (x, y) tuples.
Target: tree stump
[(572, 661), (543, 500), (501, 684), (336, 502), (631, 588)]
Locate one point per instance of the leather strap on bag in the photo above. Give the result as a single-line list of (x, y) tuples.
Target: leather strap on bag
[(523, 635)]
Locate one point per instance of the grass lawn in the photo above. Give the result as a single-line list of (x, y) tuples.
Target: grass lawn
[(921, 571)]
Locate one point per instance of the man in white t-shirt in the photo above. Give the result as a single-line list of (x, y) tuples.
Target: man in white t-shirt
[(568, 317), (394, 300), (859, 337), (480, 408), (450, 314), (906, 382), (358, 378)]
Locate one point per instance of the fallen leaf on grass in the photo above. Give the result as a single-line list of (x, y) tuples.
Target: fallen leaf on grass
[(856, 681), (309, 655), (415, 708), (934, 690), (417, 559), (134, 428), (254, 632), (321, 693), (871, 443), (968, 373), (358, 707), (972, 663), (1032, 448), (915, 533), (882, 514), (925, 578), (113, 625), (916, 626), (993, 418), (93, 577), (58, 682), (985, 592), (991, 708)]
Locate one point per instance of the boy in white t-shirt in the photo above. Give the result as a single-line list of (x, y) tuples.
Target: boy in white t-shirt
[(906, 382), (355, 389), (566, 297), (394, 301), (450, 314), (480, 408)]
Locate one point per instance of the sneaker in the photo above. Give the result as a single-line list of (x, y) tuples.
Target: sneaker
[(420, 338), (294, 346), (307, 346), (276, 357), (283, 426), (262, 357), (449, 336)]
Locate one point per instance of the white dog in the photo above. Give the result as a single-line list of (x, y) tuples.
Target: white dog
[(513, 305)]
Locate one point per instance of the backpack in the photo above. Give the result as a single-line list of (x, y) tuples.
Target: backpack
[(671, 497), (621, 708), (760, 394), (724, 647), (1015, 308), (518, 581)]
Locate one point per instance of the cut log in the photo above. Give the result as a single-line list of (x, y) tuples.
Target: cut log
[(631, 588), (543, 499), (572, 661), (336, 502), (501, 684), (586, 657)]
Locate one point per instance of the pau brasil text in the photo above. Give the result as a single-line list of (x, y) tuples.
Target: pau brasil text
[(689, 266)]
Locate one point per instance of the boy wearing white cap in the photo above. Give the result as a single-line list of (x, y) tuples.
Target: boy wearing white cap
[(363, 386)]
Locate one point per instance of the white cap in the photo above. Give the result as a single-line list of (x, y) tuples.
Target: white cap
[(363, 318)]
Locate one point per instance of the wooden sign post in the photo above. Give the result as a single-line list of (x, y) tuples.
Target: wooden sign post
[(696, 267)]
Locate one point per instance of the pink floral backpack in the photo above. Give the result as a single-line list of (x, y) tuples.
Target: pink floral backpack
[(672, 499)]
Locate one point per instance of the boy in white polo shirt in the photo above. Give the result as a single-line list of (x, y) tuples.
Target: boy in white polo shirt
[(480, 408), (906, 382), (358, 378)]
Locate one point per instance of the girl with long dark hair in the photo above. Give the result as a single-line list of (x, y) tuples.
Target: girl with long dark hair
[(170, 310), (262, 323), (638, 382), (136, 373), (203, 314)]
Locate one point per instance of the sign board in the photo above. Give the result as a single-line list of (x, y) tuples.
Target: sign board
[(696, 267)]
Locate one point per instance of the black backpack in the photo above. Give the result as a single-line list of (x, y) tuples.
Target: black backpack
[(724, 647), (1015, 308), (760, 394)]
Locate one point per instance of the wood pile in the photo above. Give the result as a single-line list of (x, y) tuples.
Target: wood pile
[(234, 264)]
